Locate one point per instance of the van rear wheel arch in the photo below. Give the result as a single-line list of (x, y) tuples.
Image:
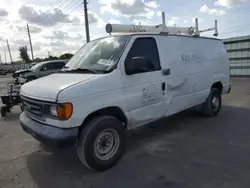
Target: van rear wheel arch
[(217, 85)]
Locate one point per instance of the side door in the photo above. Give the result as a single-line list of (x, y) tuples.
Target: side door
[(144, 88), (181, 62), (47, 69)]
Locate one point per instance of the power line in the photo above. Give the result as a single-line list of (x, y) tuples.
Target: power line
[(60, 17), (51, 14), (59, 26), (49, 11)]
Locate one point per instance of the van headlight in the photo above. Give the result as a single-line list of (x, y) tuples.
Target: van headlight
[(53, 111), (62, 111)]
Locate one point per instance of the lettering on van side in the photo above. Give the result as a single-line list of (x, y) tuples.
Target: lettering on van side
[(189, 57), (149, 94)]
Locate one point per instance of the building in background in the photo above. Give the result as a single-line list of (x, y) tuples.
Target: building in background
[(238, 49)]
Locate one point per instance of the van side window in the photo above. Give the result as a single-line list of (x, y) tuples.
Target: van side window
[(143, 49)]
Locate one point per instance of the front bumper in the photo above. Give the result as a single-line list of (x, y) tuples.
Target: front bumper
[(52, 136)]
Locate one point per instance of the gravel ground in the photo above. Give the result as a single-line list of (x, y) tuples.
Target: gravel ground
[(185, 150)]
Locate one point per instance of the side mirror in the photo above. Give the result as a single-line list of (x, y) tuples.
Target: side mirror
[(136, 65)]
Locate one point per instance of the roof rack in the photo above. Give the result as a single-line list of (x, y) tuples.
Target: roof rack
[(161, 29)]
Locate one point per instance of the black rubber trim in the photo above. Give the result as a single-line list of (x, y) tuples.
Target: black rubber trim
[(49, 135)]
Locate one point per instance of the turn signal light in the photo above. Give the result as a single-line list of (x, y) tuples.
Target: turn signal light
[(64, 111)]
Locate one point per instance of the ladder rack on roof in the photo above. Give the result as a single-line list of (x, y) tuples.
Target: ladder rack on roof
[(161, 29)]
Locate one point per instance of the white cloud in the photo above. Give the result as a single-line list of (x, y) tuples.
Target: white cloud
[(3, 12), (114, 21), (174, 20), (45, 17), (128, 8), (152, 4), (213, 11), (23, 28), (229, 3), (64, 36)]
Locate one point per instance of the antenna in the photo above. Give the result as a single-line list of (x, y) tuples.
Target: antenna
[(161, 28)]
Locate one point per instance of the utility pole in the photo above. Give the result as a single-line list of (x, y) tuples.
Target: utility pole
[(31, 48), (86, 20), (9, 50), (5, 56)]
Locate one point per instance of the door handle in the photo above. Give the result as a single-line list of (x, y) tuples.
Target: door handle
[(163, 86), (165, 72)]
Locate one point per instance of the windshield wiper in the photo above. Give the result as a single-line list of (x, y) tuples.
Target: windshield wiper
[(80, 70)]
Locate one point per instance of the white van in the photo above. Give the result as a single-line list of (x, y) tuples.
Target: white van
[(120, 82)]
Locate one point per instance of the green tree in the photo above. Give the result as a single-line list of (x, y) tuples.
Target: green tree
[(23, 52), (53, 58), (38, 59), (66, 56)]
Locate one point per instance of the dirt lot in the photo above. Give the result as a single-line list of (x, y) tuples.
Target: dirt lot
[(186, 150)]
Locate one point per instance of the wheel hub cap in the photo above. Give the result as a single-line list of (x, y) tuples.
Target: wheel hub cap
[(106, 144), (215, 103)]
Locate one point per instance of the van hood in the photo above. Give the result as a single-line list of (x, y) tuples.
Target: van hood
[(48, 87)]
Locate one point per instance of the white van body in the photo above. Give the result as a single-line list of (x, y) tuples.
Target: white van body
[(188, 68)]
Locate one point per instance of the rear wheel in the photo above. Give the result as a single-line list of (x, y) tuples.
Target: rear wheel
[(211, 107), (3, 111), (101, 143)]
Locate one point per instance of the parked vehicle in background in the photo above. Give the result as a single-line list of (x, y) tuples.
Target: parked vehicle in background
[(121, 82), (11, 70), (3, 72), (41, 69), (22, 71)]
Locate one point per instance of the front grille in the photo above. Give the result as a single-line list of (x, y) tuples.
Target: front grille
[(33, 108)]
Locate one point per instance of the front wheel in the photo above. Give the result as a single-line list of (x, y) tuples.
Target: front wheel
[(101, 143), (211, 107)]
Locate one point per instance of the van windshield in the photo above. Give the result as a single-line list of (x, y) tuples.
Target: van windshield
[(99, 55)]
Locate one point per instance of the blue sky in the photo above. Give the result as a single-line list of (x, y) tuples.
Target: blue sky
[(58, 25)]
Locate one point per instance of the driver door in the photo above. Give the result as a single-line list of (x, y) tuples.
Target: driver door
[(144, 90)]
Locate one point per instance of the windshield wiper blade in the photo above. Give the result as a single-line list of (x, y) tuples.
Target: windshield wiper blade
[(80, 70)]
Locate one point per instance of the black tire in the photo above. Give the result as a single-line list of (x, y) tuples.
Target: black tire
[(211, 109), (3, 111), (88, 137)]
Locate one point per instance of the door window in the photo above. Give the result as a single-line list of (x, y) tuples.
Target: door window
[(47, 67), (142, 57), (59, 65)]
